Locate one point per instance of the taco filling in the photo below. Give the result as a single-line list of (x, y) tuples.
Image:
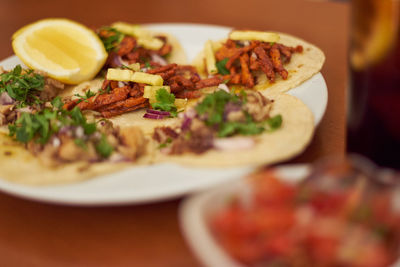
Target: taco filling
[(218, 117), (24, 91), (240, 61), (58, 136), (260, 60), (165, 88), (128, 44)]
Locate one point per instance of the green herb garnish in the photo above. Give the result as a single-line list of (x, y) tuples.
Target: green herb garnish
[(274, 122), (22, 87), (81, 143), (113, 39), (88, 94), (165, 102), (212, 108), (41, 125), (221, 66), (167, 142), (103, 147), (105, 91)]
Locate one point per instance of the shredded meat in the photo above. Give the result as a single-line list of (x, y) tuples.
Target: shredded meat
[(245, 59), (131, 52), (257, 105), (184, 82), (199, 141), (162, 134)]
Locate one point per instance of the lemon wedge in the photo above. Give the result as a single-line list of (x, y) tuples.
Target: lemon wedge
[(66, 50)]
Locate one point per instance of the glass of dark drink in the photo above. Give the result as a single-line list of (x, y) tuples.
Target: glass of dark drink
[(374, 93)]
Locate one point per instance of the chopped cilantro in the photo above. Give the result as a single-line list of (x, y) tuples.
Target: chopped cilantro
[(57, 102), (221, 66), (147, 64), (165, 102), (41, 125), (213, 106), (167, 142), (105, 91), (81, 143), (88, 94), (212, 109), (274, 122), (231, 128), (22, 87), (103, 147), (112, 39)]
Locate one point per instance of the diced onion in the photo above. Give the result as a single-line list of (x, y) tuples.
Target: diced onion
[(223, 87), (158, 59), (5, 99)]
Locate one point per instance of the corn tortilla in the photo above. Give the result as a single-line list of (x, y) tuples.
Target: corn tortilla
[(301, 67), (271, 147)]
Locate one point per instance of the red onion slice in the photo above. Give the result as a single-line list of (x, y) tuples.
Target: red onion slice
[(234, 143), (158, 112), (154, 116)]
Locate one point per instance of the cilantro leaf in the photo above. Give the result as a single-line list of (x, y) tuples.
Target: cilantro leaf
[(103, 147), (57, 102), (231, 128), (274, 122), (221, 66), (81, 143), (213, 106), (23, 87), (165, 102), (88, 94), (110, 37)]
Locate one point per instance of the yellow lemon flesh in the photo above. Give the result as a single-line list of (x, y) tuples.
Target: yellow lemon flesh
[(64, 49)]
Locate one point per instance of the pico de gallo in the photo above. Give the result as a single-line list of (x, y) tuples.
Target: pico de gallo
[(338, 216)]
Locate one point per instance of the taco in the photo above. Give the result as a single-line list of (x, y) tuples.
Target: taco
[(24, 91), (54, 145), (272, 62), (227, 129), (128, 43)]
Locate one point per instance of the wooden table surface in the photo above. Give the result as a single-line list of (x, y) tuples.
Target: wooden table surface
[(37, 234)]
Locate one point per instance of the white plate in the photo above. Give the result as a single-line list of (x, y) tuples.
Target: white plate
[(194, 214), (162, 181)]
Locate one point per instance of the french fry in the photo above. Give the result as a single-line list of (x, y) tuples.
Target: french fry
[(144, 37), (152, 79), (129, 29), (134, 66), (150, 43), (254, 35), (151, 91), (119, 75), (210, 58)]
